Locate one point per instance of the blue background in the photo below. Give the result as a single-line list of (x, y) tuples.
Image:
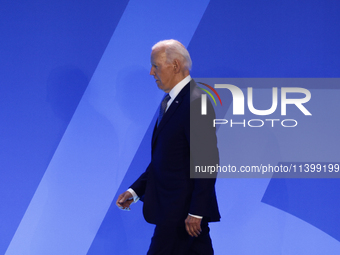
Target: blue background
[(78, 106)]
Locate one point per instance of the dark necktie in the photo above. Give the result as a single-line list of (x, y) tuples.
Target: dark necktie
[(163, 108)]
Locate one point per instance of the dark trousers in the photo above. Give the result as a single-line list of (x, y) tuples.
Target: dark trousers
[(172, 239)]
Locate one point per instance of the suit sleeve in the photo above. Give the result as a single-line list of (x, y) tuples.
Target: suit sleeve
[(140, 184)]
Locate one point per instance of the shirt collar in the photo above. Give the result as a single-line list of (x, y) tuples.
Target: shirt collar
[(179, 86)]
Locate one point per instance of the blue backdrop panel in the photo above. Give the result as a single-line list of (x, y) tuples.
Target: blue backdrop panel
[(261, 229), (284, 38), (48, 54), (313, 200), (275, 39), (52, 52)]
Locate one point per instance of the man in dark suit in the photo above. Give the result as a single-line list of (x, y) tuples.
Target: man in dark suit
[(180, 206)]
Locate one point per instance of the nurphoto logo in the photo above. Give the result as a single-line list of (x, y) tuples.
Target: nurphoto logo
[(239, 105)]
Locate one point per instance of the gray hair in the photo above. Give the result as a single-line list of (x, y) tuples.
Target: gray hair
[(175, 50)]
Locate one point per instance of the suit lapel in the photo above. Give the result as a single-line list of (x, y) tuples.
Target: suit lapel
[(170, 112)]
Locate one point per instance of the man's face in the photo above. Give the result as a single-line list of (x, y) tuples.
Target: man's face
[(162, 72)]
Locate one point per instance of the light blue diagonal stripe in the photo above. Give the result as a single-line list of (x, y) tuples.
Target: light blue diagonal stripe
[(105, 132)]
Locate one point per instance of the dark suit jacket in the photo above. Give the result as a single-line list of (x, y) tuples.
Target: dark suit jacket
[(166, 188)]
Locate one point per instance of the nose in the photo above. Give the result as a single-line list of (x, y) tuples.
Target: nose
[(152, 71)]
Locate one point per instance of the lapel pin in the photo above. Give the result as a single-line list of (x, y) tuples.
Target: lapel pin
[(176, 102)]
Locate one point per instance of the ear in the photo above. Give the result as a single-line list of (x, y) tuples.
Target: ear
[(177, 66)]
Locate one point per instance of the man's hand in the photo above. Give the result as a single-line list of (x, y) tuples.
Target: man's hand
[(124, 201), (193, 226)]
